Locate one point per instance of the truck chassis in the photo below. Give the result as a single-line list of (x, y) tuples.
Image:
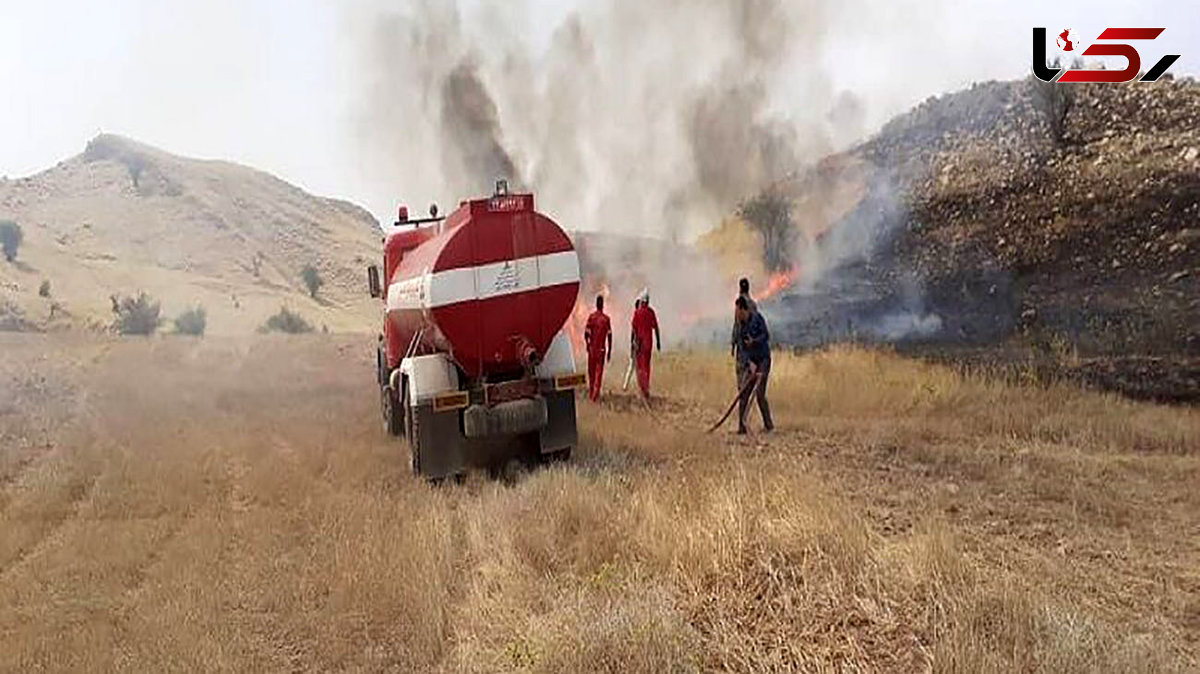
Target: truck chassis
[(453, 424)]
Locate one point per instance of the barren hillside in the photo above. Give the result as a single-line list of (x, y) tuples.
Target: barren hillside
[(123, 217), (991, 217)]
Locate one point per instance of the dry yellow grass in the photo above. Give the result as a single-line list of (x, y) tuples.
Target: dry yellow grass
[(233, 505)]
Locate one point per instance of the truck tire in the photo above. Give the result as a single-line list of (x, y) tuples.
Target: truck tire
[(414, 438), (393, 417), (381, 373), (511, 418)]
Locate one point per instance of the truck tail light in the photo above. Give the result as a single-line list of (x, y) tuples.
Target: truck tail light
[(566, 381), (447, 402)]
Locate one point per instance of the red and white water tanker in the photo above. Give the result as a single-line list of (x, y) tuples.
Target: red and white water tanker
[(474, 368)]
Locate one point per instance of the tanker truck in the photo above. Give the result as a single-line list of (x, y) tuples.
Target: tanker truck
[(474, 368)]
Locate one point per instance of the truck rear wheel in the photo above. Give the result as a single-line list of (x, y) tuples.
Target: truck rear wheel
[(393, 419), (414, 438)]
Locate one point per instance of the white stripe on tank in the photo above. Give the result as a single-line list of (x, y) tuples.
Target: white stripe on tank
[(509, 277)]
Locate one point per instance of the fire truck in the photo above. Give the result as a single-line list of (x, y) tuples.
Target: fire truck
[(474, 368)]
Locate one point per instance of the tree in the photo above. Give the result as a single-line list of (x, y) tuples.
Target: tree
[(136, 165), (287, 321), (44, 289), (770, 214), (136, 315), (1053, 101), (10, 237), (312, 279), (192, 322)]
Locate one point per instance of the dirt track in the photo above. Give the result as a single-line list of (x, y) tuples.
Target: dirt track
[(233, 504)]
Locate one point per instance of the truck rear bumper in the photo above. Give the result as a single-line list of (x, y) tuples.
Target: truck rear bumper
[(511, 418), (478, 436)]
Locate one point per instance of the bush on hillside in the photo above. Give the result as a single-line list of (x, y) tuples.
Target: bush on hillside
[(312, 280), (136, 315), (10, 238), (287, 321), (192, 322)]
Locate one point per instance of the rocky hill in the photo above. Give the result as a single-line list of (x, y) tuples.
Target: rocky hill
[(123, 217), (1058, 217)]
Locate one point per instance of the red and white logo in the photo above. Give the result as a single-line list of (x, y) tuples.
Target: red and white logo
[(1110, 42), (1065, 40)]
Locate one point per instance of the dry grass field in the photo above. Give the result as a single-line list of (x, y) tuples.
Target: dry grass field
[(179, 505)]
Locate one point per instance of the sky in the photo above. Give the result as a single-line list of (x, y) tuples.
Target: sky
[(278, 84)]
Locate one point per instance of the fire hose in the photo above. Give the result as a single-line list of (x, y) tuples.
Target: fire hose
[(629, 368), (751, 382)]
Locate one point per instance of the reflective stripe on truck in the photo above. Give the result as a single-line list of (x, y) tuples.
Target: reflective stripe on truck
[(448, 402), (568, 381)]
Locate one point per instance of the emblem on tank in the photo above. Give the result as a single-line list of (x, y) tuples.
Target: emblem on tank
[(509, 278)]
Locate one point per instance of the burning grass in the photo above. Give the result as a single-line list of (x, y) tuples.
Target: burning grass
[(233, 505)]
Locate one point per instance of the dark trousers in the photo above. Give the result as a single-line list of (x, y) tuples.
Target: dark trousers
[(758, 391)]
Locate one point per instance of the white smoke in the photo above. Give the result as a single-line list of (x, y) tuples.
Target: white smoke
[(649, 119)]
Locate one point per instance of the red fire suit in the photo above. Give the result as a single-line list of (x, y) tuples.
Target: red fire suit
[(645, 324), (596, 335)]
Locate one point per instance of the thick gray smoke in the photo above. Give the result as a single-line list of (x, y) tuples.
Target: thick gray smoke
[(629, 120), (649, 118), (470, 129)]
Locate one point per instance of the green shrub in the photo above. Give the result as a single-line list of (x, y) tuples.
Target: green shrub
[(192, 322), (287, 321), (312, 280), (10, 238), (136, 315)]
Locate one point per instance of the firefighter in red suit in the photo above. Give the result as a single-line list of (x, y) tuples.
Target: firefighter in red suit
[(598, 336), (645, 330)]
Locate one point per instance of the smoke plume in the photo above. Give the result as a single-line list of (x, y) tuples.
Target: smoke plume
[(470, 130), (646, 122), (651, 118)]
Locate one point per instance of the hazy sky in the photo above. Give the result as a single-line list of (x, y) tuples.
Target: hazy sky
[(275, 83)]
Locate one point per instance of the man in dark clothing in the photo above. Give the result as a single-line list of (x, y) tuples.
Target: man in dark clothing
[(755, 341), (735, 342)]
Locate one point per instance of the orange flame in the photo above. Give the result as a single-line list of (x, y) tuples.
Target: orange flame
[(577, 322), (575, 326), (778, 282)]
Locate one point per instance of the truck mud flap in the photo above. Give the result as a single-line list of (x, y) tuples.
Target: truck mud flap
[(560, 432), (444, 451), (511, 418)]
